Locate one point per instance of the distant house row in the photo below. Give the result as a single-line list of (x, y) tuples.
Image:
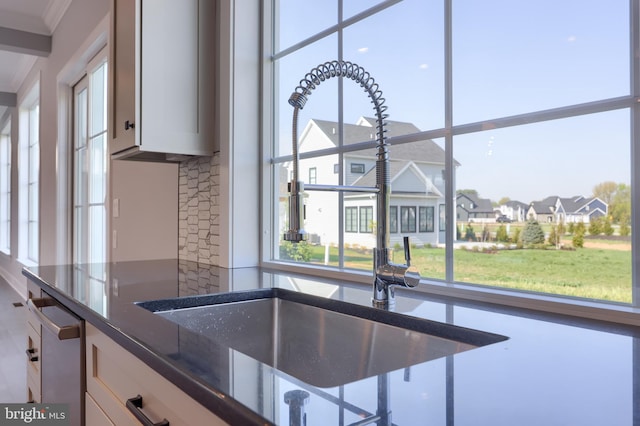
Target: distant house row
[(553, 209)]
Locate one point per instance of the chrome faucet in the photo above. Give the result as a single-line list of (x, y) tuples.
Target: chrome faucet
[(386, 274)]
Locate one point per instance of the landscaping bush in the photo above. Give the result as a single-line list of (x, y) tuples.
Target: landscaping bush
[(502, 235), (299, 252), (469, 234), (578, 235), (596, 227)]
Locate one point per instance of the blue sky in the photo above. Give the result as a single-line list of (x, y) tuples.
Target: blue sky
[(509, 57)]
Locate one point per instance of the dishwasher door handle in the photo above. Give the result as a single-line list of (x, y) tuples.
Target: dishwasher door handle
[(62, 332)]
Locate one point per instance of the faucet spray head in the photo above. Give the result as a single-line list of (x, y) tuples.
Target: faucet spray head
[(297, 100)]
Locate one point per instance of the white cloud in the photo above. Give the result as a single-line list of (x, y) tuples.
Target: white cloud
[(571, 38), (424, 66), (363, 50)]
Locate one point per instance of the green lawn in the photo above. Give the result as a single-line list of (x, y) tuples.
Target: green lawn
[(588, 273)]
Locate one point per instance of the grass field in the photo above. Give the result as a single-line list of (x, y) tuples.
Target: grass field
[(595, 273)]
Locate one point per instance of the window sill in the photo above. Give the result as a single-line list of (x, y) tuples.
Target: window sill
[(580, 308), (27, 263)]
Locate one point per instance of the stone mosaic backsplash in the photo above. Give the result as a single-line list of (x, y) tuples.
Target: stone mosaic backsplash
[(198, 214)]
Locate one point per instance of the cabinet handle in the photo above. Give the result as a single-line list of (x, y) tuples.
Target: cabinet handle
[(30, 354), (129, 125), (134, 405)]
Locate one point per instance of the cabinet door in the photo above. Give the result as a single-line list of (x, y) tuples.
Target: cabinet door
[(123, 74), (175, 75)]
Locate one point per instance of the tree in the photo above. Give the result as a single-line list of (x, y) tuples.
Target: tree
[(596, 227), (605, 191), (532, 233), (471, 192), (620, 206), (504, 200), (578, 235)]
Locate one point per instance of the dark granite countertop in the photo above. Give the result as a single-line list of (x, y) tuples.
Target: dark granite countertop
[(553, 370)]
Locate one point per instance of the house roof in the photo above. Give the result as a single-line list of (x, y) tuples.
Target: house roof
[(421, 151), (516, 204), (396, 168), (480, 205)]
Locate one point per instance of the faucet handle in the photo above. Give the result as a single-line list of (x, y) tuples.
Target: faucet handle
[(407, 251)]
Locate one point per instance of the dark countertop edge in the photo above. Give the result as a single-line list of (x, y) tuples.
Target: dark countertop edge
[(219, 403)]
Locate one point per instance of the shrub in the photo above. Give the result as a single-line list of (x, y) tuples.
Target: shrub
[(607, 228), (572, 227), (595, 227), (299, 252), (469, 234), (532, 233), (625, 230), (578, 235), (553, 236), (502, 235)]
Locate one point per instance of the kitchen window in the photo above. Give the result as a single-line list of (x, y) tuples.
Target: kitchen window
[(90, 164), (313, 175), (29, 176), (546, 123), (5, 189)]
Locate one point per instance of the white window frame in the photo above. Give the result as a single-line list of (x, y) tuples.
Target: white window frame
[(83, 248), (29, 178), (5, 189), (629, 314)]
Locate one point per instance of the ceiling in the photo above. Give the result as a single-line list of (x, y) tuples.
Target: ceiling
[(26, 27)]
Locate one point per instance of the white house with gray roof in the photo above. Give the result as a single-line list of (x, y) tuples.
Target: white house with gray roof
[(416, 173)]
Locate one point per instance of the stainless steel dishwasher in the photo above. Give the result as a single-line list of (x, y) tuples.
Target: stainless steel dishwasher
[(62, 363)]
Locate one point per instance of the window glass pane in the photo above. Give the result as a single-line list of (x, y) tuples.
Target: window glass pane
[(81, 119), (300, 19), (407, 219), (402, 48), (97, 239), (366, 219), (97, 170), (99, 100), (393, 219), (80, 234), (566, 186), (351, 219), (33, 202), (80, 171), (33, 241), (504, 64)]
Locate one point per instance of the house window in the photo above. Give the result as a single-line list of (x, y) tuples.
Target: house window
[(336, 168), (489, 115), (425, 219), (312, 175), (5, 189), (366, 219), (351, 219), (90, 164), (357, 168), (29, 176), (393, 219), (407, 219)]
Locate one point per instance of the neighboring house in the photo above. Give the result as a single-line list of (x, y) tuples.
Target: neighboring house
[(567, 210), (543, 211), (580, 209), (416, 206), (470, 208), (514, 210)]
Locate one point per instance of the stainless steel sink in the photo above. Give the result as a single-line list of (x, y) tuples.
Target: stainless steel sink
[(320, 341)]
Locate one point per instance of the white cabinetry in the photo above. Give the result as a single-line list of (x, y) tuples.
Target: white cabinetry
[(119, 385), (162, 79)]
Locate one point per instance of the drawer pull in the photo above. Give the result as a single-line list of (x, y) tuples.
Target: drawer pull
[(30, 354), (134, 405)]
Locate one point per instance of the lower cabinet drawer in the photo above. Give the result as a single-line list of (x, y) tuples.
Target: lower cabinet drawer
[(93, 414), (114, 376)]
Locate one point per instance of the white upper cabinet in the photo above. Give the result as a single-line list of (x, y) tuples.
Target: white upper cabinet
[(162, 54)]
